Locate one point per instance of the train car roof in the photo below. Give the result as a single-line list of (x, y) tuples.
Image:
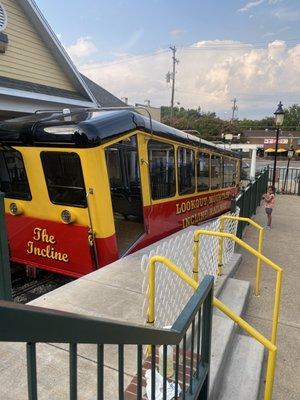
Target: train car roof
[(89, 128)]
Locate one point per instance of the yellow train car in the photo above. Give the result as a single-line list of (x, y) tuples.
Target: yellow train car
[(84, 189)]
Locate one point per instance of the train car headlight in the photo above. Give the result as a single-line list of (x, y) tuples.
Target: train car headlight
[(67, 217), (14, 209)]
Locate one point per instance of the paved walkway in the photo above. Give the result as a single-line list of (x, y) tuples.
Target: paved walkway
[(282, 245)]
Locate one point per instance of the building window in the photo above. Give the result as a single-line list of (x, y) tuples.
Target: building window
[(64, 178), (13, 178), (186, 170), (216, 172), (203, 167), (162, 169)]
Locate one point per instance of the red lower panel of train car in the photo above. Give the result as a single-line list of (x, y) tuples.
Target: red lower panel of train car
[(65, 249), (164, 219), (55, 246)]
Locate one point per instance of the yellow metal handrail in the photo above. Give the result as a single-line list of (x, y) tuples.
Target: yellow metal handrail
[(251, 250), (222, 307), (259, 247)]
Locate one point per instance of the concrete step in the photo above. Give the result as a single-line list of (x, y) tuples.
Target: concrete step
[(242, 377), (229, 271), (235, 295)]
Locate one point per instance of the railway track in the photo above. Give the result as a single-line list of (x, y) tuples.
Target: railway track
[(25, 289)]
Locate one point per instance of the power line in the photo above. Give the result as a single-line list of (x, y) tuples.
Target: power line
[(133, 58), (217, 46)]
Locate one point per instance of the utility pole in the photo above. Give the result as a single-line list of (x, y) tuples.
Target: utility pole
[(172, 76), (234, 109)]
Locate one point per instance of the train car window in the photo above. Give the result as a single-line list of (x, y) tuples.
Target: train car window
[(123, 167), (203, 167), (64, 178), (13, 178), (186, 170), (216, 172), (162, 169), (229, 172)]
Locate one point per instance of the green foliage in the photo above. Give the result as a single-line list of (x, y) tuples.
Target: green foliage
[(208, 125), (291, 120)]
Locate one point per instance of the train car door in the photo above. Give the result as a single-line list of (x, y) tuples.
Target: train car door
[(122, 162)]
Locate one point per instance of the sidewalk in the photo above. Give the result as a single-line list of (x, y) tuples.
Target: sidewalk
[(282, 245)]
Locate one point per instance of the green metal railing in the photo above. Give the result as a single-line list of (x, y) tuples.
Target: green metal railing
[(250, 197), (5, 277), (32, 325)]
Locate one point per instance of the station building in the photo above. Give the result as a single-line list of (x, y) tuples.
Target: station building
[(265, 140), (36, 72)]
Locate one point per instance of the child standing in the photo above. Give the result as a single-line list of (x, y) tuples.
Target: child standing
[(269, 198)]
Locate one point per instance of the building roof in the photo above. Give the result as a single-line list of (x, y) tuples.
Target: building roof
[(88, 128), (17, 84), (262, 133), (103, 97)]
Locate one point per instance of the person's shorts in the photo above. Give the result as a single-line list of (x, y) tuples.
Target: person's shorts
[(269, 211)]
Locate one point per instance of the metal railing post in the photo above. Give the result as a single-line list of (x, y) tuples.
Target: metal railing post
[(258, 265), (199, 233), (5, 277), (241, 205), (220, 249)]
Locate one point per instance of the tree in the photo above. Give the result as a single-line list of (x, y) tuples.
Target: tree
[(292, 117), (208, 125), (291, 120)]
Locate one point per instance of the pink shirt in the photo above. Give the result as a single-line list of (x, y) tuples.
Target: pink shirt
[(269, 201)]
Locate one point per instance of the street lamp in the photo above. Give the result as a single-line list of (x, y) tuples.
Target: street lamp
[(279, 116), (290, 155)]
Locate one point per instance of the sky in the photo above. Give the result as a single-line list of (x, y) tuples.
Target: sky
[(248, 50)]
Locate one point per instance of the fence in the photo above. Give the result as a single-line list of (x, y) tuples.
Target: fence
[(5, 278), (171, 292), (287, 181), (250, 198)]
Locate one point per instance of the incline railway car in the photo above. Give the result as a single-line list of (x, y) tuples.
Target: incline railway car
[(83, 189)]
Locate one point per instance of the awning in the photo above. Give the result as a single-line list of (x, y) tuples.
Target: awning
[(281, 150), (270, 151)]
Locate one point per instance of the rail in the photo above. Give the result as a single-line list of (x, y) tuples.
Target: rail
[(197, 235), (272, 349), (5, 277), (287, 180), (250, 197), (259, 246), (32, 325)]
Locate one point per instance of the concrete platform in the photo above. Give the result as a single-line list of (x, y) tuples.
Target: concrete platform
[(282, 244)]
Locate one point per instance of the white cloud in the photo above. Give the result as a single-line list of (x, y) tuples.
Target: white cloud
[(210, 74), (84, 47), (250, 5)]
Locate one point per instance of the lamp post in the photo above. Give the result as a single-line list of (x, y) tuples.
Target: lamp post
[(279, 116)]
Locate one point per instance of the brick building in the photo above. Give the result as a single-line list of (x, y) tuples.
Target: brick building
[(266, 141)]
